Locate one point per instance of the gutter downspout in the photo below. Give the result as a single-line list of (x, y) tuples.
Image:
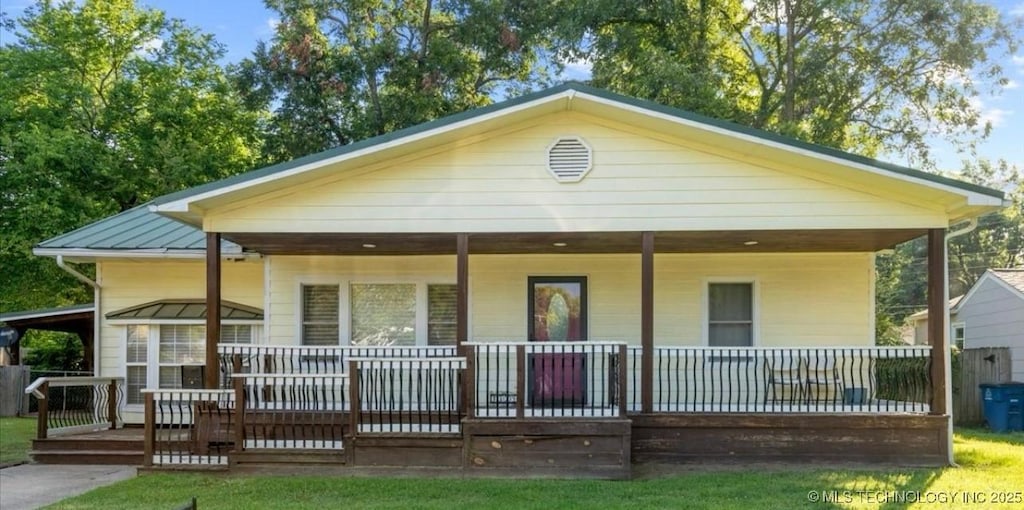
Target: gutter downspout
[(96, 295), (971, 225)]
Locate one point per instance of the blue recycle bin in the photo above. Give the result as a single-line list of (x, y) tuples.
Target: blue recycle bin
[(1003, 406)]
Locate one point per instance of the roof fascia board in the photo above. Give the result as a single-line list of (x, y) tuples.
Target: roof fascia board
[(1005, 285), (230, 322), (973, 198), (988, 275), (160, 253), (184, 205), (91, 308)]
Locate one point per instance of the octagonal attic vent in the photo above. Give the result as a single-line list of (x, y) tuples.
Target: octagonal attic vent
[(569, 159)]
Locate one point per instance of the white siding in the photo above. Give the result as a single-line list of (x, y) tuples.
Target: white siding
[(994, 317)]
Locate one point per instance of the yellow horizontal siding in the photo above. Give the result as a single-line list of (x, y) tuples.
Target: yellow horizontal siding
[(804, 299), (130, 283), (637, 183)]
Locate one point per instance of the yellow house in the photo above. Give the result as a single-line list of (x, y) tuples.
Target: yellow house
[(569, 264)]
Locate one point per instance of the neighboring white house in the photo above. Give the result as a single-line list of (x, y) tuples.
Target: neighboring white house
[(990, 314)]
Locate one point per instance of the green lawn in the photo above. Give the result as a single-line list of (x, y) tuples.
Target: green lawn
[(16, 439), (991, 465)]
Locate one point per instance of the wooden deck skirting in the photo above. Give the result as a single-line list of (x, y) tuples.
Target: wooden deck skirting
[(875, 439), (597, 448)]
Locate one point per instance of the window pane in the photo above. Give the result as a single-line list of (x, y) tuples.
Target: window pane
[(383, 314), (730, 335), (441, 304), (319, 334), (730, 301), (138, 340), (320, 315), (182, 344), (135, 382), (170, 377), (320, 303), (235, 334)]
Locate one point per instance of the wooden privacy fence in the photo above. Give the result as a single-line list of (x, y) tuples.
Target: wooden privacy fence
[(12, 399), (972, 367)]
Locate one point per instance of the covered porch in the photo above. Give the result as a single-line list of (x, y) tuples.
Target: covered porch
[(678, 399)]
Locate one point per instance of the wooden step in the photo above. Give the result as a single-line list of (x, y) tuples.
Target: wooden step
[(72, 444), (105, 457)]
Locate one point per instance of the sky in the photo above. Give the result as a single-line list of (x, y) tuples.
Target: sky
[(239, 24)]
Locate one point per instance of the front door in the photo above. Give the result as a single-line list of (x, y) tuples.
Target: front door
[(557, 313)]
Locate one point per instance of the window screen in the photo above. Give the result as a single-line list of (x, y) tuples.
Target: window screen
[(441, 304), (730, 315), (320, 315), (383, 313)]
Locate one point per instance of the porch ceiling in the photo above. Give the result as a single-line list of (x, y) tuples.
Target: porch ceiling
[(859, 240)]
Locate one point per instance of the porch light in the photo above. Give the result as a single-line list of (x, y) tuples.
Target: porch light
[(559, 245), (749, 243), (369, 245)]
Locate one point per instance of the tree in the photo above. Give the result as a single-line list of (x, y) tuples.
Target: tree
[(998, 241), (338, 71), (104, 106), (874, 75), (681, 52), (864, 76)]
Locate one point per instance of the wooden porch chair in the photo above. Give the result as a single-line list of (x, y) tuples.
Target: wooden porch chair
[(786, 378)]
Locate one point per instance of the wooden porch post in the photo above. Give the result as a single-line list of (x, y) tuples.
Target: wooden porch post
[(937, 318), (212, 375), (462, 290), (647, 322)]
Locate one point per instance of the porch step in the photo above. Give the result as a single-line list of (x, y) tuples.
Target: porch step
[(106, 457), (72, 444)]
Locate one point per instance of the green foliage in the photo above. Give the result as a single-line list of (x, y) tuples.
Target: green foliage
[(104, 106), (343, 70), (49, 350), (680, 53), (864, 76)]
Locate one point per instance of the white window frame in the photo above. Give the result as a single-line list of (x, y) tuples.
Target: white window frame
[(345, 301), (952, 334), (144, 364), (153, 363), (755, 297)]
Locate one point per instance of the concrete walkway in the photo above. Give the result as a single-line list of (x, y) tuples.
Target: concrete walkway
[(37, 485)]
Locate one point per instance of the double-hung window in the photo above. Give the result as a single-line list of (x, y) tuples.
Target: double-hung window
[(730, 309)]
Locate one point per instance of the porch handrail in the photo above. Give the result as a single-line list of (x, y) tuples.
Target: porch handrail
[(405, 395), (801, 379), (186, 426), (86, 404), (56, 382), (547, 379), (904, 350)]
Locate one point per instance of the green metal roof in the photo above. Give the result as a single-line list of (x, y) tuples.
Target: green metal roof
[(586, 89), (185, 309), (135, 229)]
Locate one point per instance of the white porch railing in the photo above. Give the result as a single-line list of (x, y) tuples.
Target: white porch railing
[(73, 405), (880, 380), (187, 427)]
